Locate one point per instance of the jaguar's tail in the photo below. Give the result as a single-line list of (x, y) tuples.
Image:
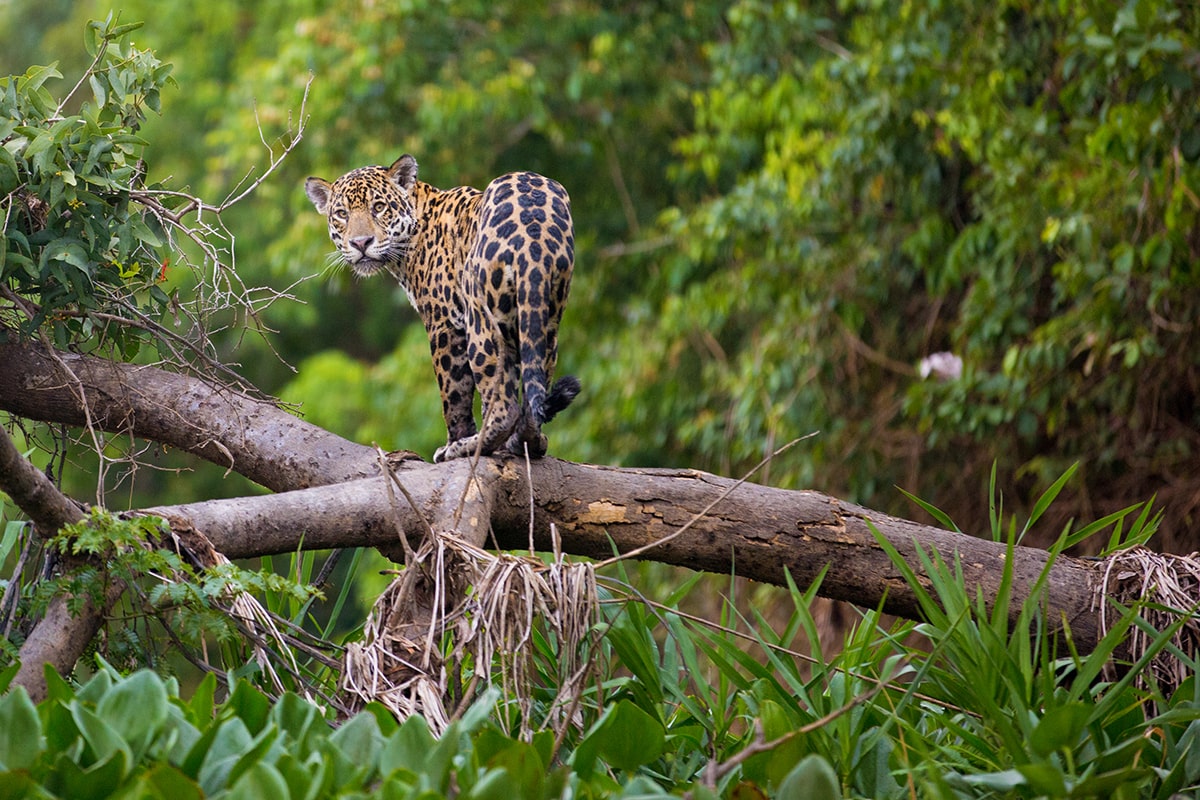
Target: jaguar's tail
[(565, 390)]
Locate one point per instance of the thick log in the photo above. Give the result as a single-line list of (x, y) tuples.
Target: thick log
[(758, 531), (248, 435)]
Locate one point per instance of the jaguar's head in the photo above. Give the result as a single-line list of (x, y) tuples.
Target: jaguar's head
[(370, 212)]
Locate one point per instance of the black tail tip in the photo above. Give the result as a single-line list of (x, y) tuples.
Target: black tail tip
[(565, 390)]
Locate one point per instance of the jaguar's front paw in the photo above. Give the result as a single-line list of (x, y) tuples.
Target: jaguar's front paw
[(458, 449)]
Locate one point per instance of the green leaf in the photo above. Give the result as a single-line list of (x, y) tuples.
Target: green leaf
[(266, 747), (1004, 781), (1060, 728), (298, 717), (69, 251), (519, 759), (1045, 779), (7, 674), (164, 782), (135, 708), (21, 742), (222, 748), (359, 740), (20, 785), (811, 779), (413, 749), (37, 148), (142, 231), (97, 782), (117, 31), (200, 707), (260, 781), (942, 518), (250, 705), (35, 76), (305, 779), (101, 737), (626, 737)]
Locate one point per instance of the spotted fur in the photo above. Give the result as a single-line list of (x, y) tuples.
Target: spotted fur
[(488, 272)]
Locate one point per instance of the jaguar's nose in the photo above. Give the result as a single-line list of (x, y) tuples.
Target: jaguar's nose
[(361, 243)]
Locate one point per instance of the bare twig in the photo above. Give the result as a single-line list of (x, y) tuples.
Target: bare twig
[(276, 159)]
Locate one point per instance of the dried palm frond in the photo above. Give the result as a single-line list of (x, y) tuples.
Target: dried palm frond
[(480, 608), (1163, 587)]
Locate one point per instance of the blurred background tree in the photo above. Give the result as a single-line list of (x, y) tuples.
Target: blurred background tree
[(782, 209)]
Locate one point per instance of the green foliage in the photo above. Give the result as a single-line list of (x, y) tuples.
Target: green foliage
[(986, 702), (172, 593), (72, 239)]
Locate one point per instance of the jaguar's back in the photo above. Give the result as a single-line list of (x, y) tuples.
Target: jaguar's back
[(489, 274)]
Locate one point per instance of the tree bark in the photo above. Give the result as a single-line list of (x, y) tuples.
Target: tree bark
[(325, 501), (252, 436), (760, 532)]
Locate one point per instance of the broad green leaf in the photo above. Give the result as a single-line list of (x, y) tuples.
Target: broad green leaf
[(359, 740), (34, 77), (21, 785), (626, 737), (412, 748), (497, 784), (102, 738), (1045, 779), (200, 707), (811, 779), (250, 705), (21, 741), (135, 708), (520, 760), (305, 779), (266, 748), (259, 782), (97, 782), (297, 717), (163, 782), (142, 231), (222, 746), (1060, 728)]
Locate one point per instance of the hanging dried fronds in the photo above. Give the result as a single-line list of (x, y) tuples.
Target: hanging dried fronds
[(481, 610), (1162, 587)]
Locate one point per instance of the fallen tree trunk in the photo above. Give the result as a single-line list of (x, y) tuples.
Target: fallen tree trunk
[(761, 532)]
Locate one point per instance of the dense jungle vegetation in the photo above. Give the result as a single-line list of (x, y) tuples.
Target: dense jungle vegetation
[(958, 239)]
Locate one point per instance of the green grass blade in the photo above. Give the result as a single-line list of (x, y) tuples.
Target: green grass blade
[(942, 518), (1048, 497)]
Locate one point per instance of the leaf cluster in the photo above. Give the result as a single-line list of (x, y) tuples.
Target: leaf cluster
[(179, 603), (74, 243)]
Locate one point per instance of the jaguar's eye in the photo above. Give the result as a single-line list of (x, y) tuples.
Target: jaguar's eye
[(340, 214), (378, 207)]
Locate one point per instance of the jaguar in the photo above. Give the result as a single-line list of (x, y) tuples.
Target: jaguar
[(488, 273)]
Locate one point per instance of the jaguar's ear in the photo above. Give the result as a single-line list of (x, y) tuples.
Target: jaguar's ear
[(318, 190), (404, 172)]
